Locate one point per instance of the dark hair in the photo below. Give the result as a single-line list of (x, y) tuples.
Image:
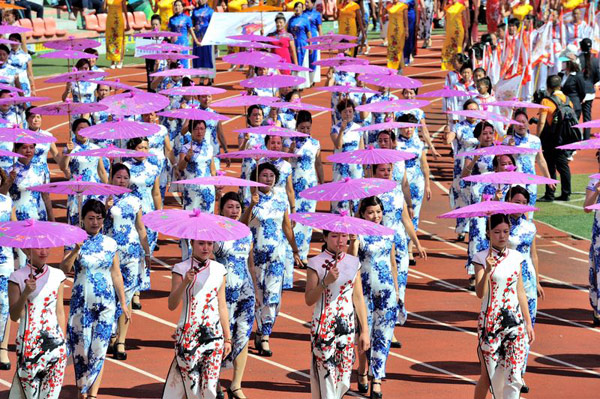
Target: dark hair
[(28, 112), (251, 109), (82, 62), (553, 82), (263, 166), (134, 142), (288, 97), (303, 116), (93, 205), (465, 67), (268, 138), (520, 111), (461, 58), (118, 167), (15, 36), (185, 82), (194, 123), (389, 133), (5, 91), (367, 202), (410, 118), (16, 146), (496, 219), (280, 15), (180, 1), (514, 190), (486, 81), (376, 165), (480, 127), (5, 48), (514, 22), (586, 47), (78, 122), (496, 160), (92, 51), (230, 196), (415, 89), (482, 70), (345, 103), (173, 65), (156, 17)]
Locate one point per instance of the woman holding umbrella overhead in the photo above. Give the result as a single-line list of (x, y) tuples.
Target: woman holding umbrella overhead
[(36, 299), (202, 337), (40, 159), (504, 325), (240, 287), (116, 25), (81, 91), (124, 225), (97, 289), (335, 291), (267, 217)]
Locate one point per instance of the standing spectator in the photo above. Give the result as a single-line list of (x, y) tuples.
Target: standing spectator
[(426, 11), (591, 77), (116, 25), (164, 8), (182, 23), (201, 17), (315, 19), (155, 23), (457, 21)]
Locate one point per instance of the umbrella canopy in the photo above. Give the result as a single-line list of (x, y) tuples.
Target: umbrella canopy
[(387, 126), (10, 42), (366, 69), (341, 59), (390, 81), (75, 187), (157, 34), (393, 106), (298, 105), (36, 234), (511, 177), (169, 56), (72, 43), (371, 156), (68, 107), (16, 134), (14, 99), (195, 225), (272, 81), (446, 92), (221, 180), (329, 46), (245, 100), (193, 91), (121, 129), (111, 152), (516, 103), (135, 103), (253, 38), (272, 130), (163, 47), (9, 29), (182, 72), (252, 58), (6, 153), (331, 36), (68, 55), (591, 144), (284, 66), (76, 76), (487, 208), (593, 207), (253, 45), (347, 89), (194, 114), (348, 189), (588, 124), (113, 84), (4, 86), (257, 153), (498, 150), (341, 223), (485, 115)]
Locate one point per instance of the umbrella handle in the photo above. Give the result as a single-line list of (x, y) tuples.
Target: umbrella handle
[(79, 206)]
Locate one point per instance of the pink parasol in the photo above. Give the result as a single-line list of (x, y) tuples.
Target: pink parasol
[(499, 149), (72, 43), (195, 225), (79, 187), (347, 89), (68, 107), (182, 72), (485, 115), (329, 46), (2, 120), (221, 180), (331, 37), (6, 153), (253, 38), (591, 144), (393, 106), (193, 91), (516, 103), (10, 42), (68, 55), (588, 124), (593, 207), (341, 223), (487, 208), (10, 29), (253, 45), (194, 114), (298, 105), (16, 134), (76, 76), (120, 129), (595, 176), (111, 152), (114, 84), (252, 58), (14, 99), (4, 86), (348, 189), (390, 81), (371, 156), (257, 153), (168, 56), (446, 92), (244, 100), (163, 47), (157, 34), (366, 69), (284, 66), (511, 177), (273, 81), (37, 234), (272, 130), (341, 59), (389, 125), (135, 103)]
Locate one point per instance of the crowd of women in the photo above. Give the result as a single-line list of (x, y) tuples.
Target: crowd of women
[(357, 284)]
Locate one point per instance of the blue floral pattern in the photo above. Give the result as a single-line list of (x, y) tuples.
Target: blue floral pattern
[(414, 173)]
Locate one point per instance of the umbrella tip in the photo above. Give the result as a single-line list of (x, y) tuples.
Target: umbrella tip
[(344, 213), (74, 69), (196, 212), (510, 168), (221, 173), (29, 222), (486, 197), (347, 179), (370, 147)]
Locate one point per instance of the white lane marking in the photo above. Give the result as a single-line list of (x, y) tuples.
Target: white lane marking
[(555, 281), (570, 247), (427, 222), (137, 370), (5, 383), (414, 275), (546, 251), (449, 255), (579, 260)]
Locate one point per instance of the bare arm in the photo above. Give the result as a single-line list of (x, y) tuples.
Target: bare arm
[(117, 280), (319, 168), (142, 233), (223, 313), (361, 314), (535, 261), (17, 301), (481, 280), (412, 234), (469, 165), (69, 259), (591, 197), (60, 309), (425, 169), (102, 172), (289, 188), (156, 198), (314, 289), (48, 204)]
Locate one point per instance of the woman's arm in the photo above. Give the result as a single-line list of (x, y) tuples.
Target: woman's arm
[(69, 259), (469, 165), (289, 188), (60, 309), (314, 289), (156, 198), (224, 315), (293, 52), (247, 215), (142, 233), (394, 267), (178, 286), (536, 267), (286, 225), (361, 314), (407, 196), (67, 92), (338, 138), (412, 234), (591, 197), (17, 300), (425, 169), (427, 138), (319, 168), (31, 77), (481, 280), (525, 309), (117, 280), (102, 172), (169, 153)]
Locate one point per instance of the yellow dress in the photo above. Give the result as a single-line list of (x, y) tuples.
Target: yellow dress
[(347, 20), (455, 34), (396, 35), (289, 6), (115, 30), (165, 10), (521, 11), (570, 5), (236, 5)]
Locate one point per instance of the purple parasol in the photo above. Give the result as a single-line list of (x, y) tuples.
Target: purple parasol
[(366, 69), (331, 37), (329, 46), (298, 105), (591, 144), (371, 156), (168, 56), (79, 187), (111, 152), (393, 106), (120, 129), (69, 107), (14, 99), (157, 34), (273, 81), (221, 180), (16, 134), (76, 76), (347, 89), (36, 234), (9, 42), (114, 84), (182, 72), (251, 58), (486, 115), (257, 153), (194, 114), (516, 103), (68, 55), (387, 126), (390, 81), (341, 223), (588, 124), (253, 38), (272, 130), (284, 66), (244, 100), (509, 178), (487, 208), (348, 189), (4, 86), (341, 59), (193, 91), (6, 153), (195, 225), (10, 29), (498, 150), (72, 43), (446, 92), (253, 45), (135, 103), (593, 207), (163, 47)]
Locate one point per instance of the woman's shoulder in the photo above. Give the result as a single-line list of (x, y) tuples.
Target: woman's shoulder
[(182, 267)]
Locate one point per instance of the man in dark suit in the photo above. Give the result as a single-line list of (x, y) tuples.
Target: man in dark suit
[(591, 77)]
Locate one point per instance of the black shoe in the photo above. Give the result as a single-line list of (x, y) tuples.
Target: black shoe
[(258, 341), (375, 395), (363, 388), (119, 355), (4, 366), (596, 320), (412, 262), (136, 305), (461, 237), (471, 286), (231, 393), (220, 393), (524, 388), (396, 344), (563, 198), (546, 198)]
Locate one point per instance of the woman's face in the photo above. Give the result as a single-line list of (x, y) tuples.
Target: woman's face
[(202, 249), (178, 7), (256, 117), (487, 137), (482, 87), (150, 118), (408, 94), (92, 62), (3, 56), (373, 214), (347, 114), (280, 24), (275, 143), (295, 97), (143, 147), (499, 235), (472, 107), (121, 178), (103, 91), (38, 256), (34, 121), (337, 242), (199, 132), (478, 75), (384, 171), (261, 71), (521, 129), (298, 9), (518, 199), (28, 151), (85, 67), (232, 209), (467, 74), (267, 177), (93, 222), (79, 128), (503, 162), (407, 132), (204, 100), (384, 141), (304, 127)]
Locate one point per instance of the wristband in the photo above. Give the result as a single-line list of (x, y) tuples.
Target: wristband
[(323, 284)]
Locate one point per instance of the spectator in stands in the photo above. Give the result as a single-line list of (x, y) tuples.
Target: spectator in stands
[(10, 17), (30, 6), (116, 25), (164, 8), (21, 61)]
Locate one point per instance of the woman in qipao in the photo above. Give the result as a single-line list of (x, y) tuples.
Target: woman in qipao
[(202, 337)]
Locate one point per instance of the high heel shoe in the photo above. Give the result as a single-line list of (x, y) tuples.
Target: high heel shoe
[(119, 355), (231, 393), (4, 366), (363, 388), (375, 395), (258, 344), (136, 305), (220, 393)]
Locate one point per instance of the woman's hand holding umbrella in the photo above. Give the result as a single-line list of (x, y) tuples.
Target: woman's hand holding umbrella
[(30, 284), (189, 276)]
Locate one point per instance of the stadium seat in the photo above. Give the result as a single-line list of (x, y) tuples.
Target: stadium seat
[(140, 19), (26, 23), (132, 24), (51, 30), (101, 23), (91, 22), (38, 28)]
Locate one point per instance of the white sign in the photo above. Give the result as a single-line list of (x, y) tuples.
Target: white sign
[(239, 23)]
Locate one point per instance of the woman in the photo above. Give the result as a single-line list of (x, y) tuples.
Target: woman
[(8, 74), (410, 45), (299, 27), (379, 276), (350, 21), (124, 225), (591, 198), (457, 21), (81, 167), (21, 61), (411, 94), (239, 293), (159, 144), (286, 47), (40, 159), (315, 20), (417, 172), (164, 8), (254, 118), (81, 91), (591, 75), (202, 337), (36, 299), (426, 12), (307, 172), (116, 25), (573, 85), (267, 217), (493, 14), (182, 23), (336, 293), (7, 266), (201, 17), (97, 287), (504, 324)]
